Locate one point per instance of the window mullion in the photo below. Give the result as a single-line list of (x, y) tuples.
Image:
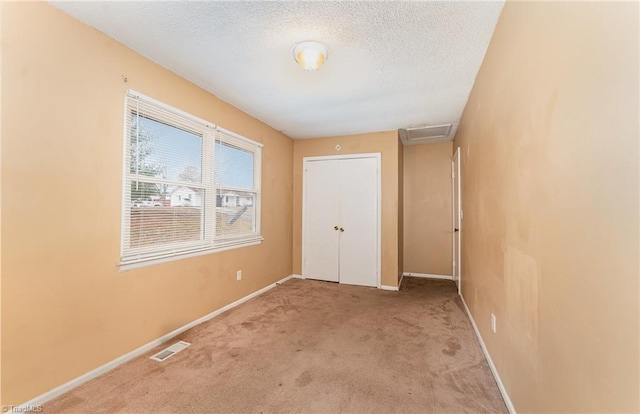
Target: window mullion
[(257, 183), (208, 181), (137, 136)]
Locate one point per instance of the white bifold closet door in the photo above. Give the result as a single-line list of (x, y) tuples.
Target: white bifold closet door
[(322, 211), (340, 229)]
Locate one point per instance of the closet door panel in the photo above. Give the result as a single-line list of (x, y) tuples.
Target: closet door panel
[(321, 215), (358, 194)]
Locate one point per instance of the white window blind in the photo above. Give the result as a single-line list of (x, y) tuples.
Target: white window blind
[(189, 186)]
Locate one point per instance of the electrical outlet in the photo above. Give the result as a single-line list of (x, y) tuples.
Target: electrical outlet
[(239, 275), (493, 323)]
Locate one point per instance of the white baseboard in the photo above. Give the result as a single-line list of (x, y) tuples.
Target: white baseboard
[(427, 276), (494, 371), (393, 288), (382, 287), (400, 281), (49, 395)]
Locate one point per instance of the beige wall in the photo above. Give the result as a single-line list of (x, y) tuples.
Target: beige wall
[(385, 143), (549, 142), (1, 123), (400, 209), (427, 208), (66, 308)]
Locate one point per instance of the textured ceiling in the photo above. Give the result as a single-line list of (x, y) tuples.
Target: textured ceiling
[(391, 64)]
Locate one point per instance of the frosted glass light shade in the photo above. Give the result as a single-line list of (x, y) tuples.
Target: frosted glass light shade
[(310, 55)]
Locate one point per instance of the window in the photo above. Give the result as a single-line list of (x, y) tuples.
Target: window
[(190, 187)]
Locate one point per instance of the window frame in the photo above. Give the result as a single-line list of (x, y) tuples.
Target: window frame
[(131, 258), (241, 143)]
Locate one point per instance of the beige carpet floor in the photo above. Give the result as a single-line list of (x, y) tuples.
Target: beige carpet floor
[(312, 347)]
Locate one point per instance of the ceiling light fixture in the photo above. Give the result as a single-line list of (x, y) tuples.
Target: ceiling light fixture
[(310, 55)]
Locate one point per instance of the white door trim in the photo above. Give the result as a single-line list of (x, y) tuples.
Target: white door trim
[(453, 220), (343, 157), (456, 219), (378, 157)]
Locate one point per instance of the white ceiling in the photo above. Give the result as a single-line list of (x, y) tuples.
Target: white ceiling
[(391, 64)]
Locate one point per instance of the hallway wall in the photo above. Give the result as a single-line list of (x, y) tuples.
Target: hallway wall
[(400, 210), (427, 208), (549, 144)]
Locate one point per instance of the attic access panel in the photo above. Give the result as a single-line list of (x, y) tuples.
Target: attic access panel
[(425, 134)]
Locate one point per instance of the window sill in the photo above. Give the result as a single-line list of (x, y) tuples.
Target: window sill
[(131, 264)]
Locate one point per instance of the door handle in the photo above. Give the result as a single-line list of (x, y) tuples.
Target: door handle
[(456, 230), (335, 227)]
